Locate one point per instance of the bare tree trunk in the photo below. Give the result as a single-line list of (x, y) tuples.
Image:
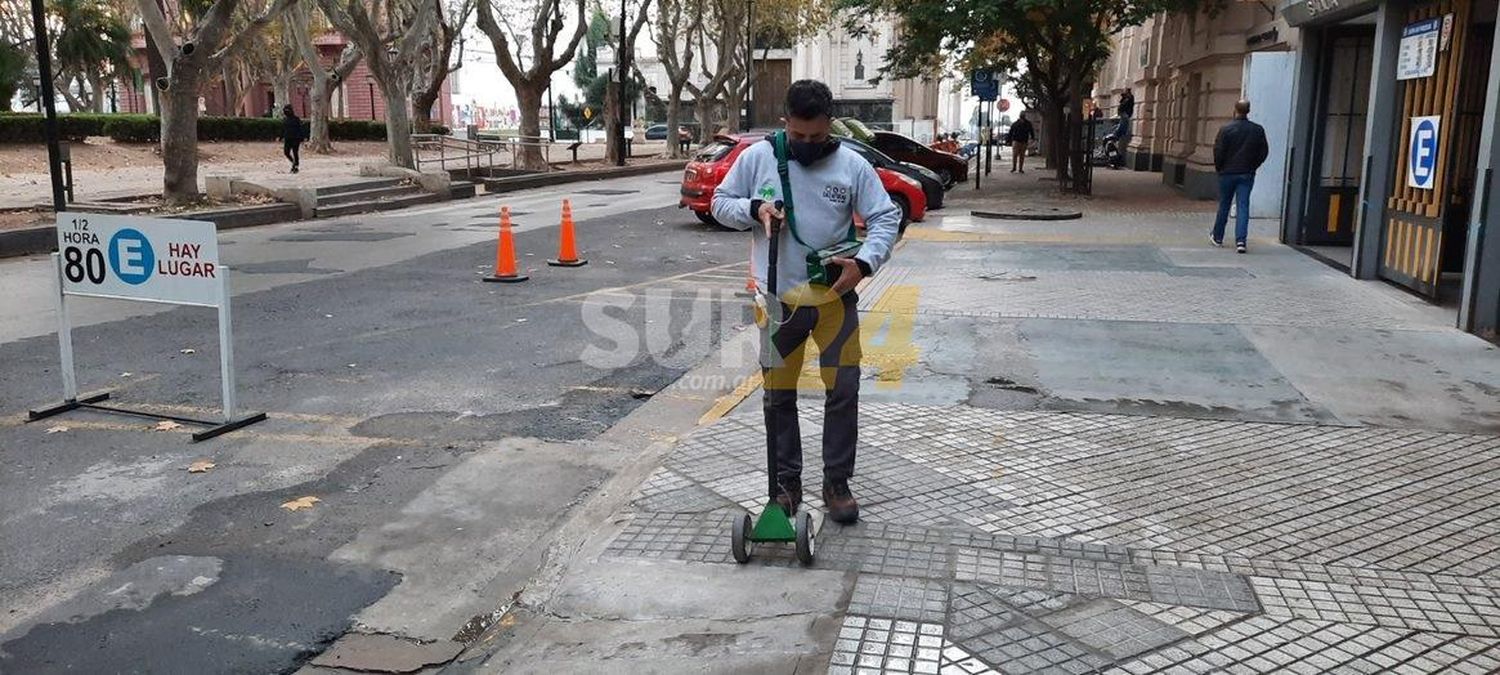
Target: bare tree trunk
[(281, 90), (421, 110), (529, 96), (398, 130), (732, 106), (1074, 127), (319, 99), (96, 84), (613, 149), (674, 122), (703, 111), (179, 137), (1054, 128)]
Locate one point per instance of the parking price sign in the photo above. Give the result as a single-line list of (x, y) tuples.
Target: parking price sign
[(156, 260), (148, 259)]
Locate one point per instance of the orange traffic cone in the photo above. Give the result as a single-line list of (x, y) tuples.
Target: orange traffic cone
[(567, 250), (505, 253)]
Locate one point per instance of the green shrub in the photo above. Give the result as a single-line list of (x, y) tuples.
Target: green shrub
[(124, 128), (133, 128)]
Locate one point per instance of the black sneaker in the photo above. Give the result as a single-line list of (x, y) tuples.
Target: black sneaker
[(790, 498), (1240, 247), (840, 502), (1218, 243)]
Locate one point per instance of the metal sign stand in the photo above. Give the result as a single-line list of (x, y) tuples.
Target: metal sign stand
[(72, 401)]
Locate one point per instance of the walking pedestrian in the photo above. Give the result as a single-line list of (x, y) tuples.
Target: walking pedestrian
[(824, 185), (1021, 134), (1239, 150), (292, 137)]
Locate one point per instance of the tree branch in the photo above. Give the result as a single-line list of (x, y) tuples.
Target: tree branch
[(159, 35), (247, 35)]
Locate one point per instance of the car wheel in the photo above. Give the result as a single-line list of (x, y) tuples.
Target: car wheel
[(707, 218), (905, 206), (946, 175)]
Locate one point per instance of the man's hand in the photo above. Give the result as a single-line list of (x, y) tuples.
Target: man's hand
[(770, 216), (849, 276)]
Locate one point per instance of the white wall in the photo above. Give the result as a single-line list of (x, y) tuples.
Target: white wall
[(1265, 83)]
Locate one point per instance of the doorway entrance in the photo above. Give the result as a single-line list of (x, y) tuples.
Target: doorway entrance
[(1338, 151)]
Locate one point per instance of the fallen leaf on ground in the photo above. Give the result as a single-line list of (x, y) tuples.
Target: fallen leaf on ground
[(167, 425), (301, 503), (56, 429), (188, 351), (201, 466)]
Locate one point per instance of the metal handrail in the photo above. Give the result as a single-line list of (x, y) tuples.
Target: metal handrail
[(476, 153)]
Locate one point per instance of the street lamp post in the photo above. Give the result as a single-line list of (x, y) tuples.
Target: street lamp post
[(622, 66), (45, 93)]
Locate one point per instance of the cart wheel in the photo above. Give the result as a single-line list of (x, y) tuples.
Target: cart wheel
[(739, 542), (805, 538)]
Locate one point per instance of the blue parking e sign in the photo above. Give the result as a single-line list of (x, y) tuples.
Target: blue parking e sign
[(985, 84), (1422, 152)]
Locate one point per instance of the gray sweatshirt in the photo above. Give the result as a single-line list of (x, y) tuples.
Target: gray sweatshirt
[(826, 196)]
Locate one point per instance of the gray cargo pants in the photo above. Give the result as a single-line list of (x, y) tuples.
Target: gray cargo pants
[(835, 328)]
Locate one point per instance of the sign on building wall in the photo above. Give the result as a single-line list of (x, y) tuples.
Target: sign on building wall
[(1419, 48), (1421, 165)]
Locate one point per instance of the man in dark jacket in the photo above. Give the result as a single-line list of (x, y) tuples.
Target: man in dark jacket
[(1021, 134), (291, 137), (1239, 150)]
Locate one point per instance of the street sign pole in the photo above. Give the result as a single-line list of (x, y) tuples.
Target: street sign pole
[(64, 335), (44, 74), (158, 260), (226, 349)]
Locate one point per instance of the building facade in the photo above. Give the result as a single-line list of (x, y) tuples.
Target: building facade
[(1383, 119), (1396, 109), (1186, 72)]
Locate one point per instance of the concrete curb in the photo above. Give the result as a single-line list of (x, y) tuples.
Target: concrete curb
[(27, 241), (1030, 213), (511, 184), (43, 239)]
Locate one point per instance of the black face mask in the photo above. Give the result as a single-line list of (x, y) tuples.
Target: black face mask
[(808, 154)]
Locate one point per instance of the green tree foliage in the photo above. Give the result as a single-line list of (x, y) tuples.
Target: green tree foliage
[(1055, 48), (13, 63), (586, 68), (90, 42)]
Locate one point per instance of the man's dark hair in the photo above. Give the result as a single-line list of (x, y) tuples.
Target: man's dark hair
[(809, 99)]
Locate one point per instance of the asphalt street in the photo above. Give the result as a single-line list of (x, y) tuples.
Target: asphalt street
[(445, 426)]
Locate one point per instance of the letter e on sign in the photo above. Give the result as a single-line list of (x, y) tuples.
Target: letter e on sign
[(1422, 156)]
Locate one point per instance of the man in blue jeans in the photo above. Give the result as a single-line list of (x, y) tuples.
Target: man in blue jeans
[(1239, 150)]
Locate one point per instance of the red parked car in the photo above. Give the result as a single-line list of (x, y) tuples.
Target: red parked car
[(712, 163)]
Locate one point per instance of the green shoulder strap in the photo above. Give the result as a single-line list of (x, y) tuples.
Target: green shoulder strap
[(778, 141)]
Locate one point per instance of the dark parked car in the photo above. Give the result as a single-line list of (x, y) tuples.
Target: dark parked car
[(658, 132), (949, 167), (932, 185)]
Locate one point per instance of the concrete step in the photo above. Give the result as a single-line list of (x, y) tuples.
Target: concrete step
[(386, 204), (462, 189), (373, 194), (357, 186)]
